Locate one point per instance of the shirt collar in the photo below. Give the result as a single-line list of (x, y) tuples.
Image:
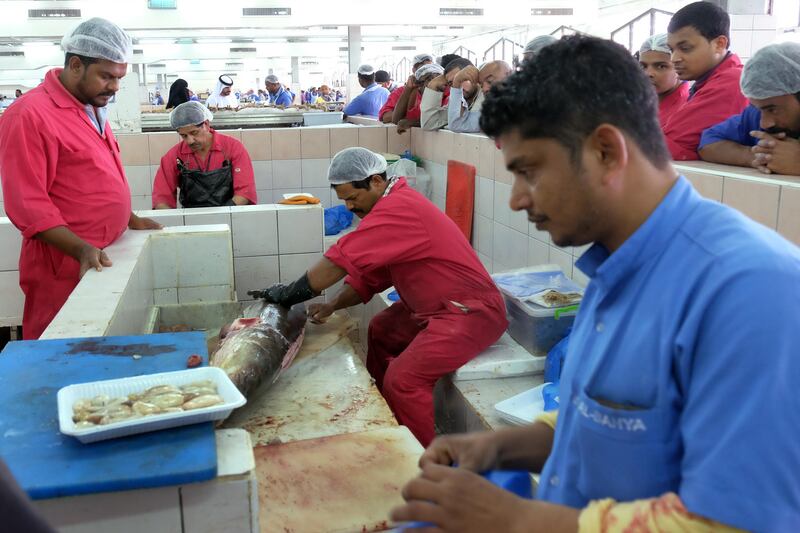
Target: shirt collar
[(649, 240), (58, 93), (699, 82), (370, 86)]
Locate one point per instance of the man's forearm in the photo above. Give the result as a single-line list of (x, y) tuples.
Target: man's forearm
[(324, 274), (727, 153), (64, 240), (346, 297), (401, 108), (524, 448)]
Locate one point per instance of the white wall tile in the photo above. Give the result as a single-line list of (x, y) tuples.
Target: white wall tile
[(538, 252), (438, 174), (510, 247), (141, 202), (483, 232), (203, 216), (165, 217), (165, 296), (205, 259), (292, 266), (264, 196), (486, 261), (578, 251), (255, 231), (286, 174), (741, 22), (502, 213), (315, 173), (742, 42), (519, 221), (538, 234), (263, 174), (765, 22), (300, 230), (13, 299), (762, 38), (10, 244), (165, 272), (139, 180), (211, 293), (255, 273), (440, 202), (562, 259), (484, 197)]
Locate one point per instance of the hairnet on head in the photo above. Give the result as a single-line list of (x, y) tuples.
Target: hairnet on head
[(656, 43), (426, 70), (366, 70), (272, 78), (537, 43), (189, 114), (355, 164), (772, 71), (419, 58), (100, 39)]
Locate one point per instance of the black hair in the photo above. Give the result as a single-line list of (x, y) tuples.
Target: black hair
[(460, 62), (85, 61), (447, 58), (365, 183), (367, 77), (708, 19), (382, 76), (571, 88)]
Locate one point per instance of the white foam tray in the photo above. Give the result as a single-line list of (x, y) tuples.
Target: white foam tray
[(115, 388), (503, 359), (523, 408)]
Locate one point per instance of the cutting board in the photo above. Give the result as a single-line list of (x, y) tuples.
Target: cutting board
[(340, 484), (48, 464), (503, 359)]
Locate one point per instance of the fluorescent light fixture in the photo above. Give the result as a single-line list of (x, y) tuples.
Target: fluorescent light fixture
[(39, 44), (324, 39), (156, 41), (213, 40)]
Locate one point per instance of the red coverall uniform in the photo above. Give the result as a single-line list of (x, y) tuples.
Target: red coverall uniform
[(57, 170), (672, 102), (450, 309)]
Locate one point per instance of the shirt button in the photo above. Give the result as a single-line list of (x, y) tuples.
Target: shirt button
[(600, 327), (554, 481)]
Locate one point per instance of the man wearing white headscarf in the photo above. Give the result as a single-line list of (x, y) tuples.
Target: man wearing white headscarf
[(223, 94), (63, 180), (209, 168), (766, 135)]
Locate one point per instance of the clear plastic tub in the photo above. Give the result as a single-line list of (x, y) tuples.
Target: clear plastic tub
[(536, 328), (116, 388)]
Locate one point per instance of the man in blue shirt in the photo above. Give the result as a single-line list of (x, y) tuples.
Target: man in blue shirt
[(678, 397), (372, 99), (277, 94), (765, 135)]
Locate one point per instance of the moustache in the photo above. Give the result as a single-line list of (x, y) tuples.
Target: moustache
[(789, 133)]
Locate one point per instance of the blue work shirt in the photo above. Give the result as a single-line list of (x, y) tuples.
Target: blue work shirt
[(682, 369), (282, 97), (369, 102), (736, 128)]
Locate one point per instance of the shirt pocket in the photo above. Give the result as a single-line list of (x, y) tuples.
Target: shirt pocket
[(626, 454)]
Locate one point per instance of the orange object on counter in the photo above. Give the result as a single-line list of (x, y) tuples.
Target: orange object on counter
[(299, 199), (460, 195)]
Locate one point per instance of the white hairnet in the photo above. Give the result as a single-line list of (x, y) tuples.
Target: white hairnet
[(100, 39), (366, 70), (189, 114), (419, 58), (537, 43), (656, 43), (772, 71), (426, 70), (272, 78), (355, 164)]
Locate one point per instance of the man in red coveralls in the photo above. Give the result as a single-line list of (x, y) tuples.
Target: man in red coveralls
[(449, 310), (63, 181)]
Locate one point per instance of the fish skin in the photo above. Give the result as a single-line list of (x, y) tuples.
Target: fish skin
[(254, 352)]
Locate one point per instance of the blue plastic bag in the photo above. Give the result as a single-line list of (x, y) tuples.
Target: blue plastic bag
[(555, 360), (336, 219)]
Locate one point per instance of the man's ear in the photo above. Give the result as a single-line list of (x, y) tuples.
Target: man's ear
[(609, 148), (721, 45)]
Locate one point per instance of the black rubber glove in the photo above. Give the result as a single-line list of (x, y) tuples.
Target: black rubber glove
[(286, 295)]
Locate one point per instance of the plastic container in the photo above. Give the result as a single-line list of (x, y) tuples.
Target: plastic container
[(536, 328), (322, 119), (115, 388)]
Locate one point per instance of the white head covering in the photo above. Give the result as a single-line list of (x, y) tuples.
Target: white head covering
[(773, 71), (419, 58), (426, 70), (189, 114), (272, 78), (217, 100), (355, 164), (366, 70), (656, 43), (536, 44), (100, 39)]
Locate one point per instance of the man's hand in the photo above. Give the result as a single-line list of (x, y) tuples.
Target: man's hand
[(411, 83), (319, 313), (437, 83), (286, 295), (477, 452), (467, 80), (403, 126), (139, 223), (456, 500), (91, 257), (776, 154)]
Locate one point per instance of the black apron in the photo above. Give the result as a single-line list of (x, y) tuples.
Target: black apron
[(209, 188)]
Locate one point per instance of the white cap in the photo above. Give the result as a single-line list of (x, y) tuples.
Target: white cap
[(272, 78), (189, 114), (656, 43), (355, 164), (419, 58), (773, 71), (536, 44), (99, 39), (366, 70), (426, 70)]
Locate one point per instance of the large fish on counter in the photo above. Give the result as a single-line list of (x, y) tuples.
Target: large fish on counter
[(255, 349)]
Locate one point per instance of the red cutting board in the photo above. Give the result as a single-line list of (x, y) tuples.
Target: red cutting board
[(341, 484), (460, 201)]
